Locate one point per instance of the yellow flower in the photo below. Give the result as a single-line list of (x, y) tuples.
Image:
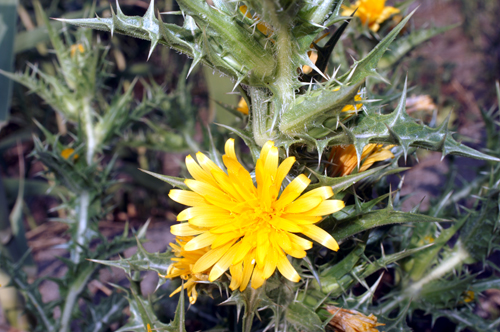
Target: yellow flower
[(149, 328), (250, 229), (469, 296), (243, 106), (346, 320), (66, 153), (76, 47), (371, 12), (344, 159), (183, 267)]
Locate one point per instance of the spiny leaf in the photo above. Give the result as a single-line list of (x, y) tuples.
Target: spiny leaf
[(367, 66), (176, 182), (339, 184), (141, 261), (402, 46), (401, 129), (142, 316), (303, 318), (354, 225)]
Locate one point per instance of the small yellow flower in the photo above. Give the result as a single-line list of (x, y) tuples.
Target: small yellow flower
[(183, 267), (371, 12), (469, 296), (76, 47), (149, 328), (346, 320), (66, 153), (250, 229), (344, 159), (243, 106)]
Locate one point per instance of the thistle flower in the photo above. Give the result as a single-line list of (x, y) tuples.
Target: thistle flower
[(344, 159), (371, 12), (346, 320), (246, 228), (76, 47), (66, 153), (183, 267)]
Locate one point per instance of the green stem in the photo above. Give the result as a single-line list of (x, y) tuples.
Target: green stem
[(260, 116), (71, 298), (251, 308), (283, 86)]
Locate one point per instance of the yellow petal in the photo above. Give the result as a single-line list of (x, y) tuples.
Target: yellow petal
[(186, 197), (224, 182), (326, 208), (184, 229), (205, 189), (229, 148), (206, 163), (257, 278), (283, 170), (286, 269), (244, 248), (197, 172), (262, 248), (224, 238), (286, 225), (282, 240), (200, 211), (292, 191), (201, 241), (303, 205), (270, 265), (223, 264), (236, 275), (248, 268), (265, 150), (296, 251), (211, 220), (322, 192), (210, 258), (321, 236), (302, 243)]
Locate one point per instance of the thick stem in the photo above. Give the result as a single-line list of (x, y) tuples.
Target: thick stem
[(261, 117), (73, 293), (89, 130), (82, 224), (283, 86)]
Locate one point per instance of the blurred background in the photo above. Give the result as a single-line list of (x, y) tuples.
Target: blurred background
[(453, 72)]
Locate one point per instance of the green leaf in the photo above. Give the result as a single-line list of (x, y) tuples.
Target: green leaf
[(175, 182), (402, 46), (142, 315), (142, 261), (354, 225), (367, 66), (339, 184), (401, 129), (303, 318)]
